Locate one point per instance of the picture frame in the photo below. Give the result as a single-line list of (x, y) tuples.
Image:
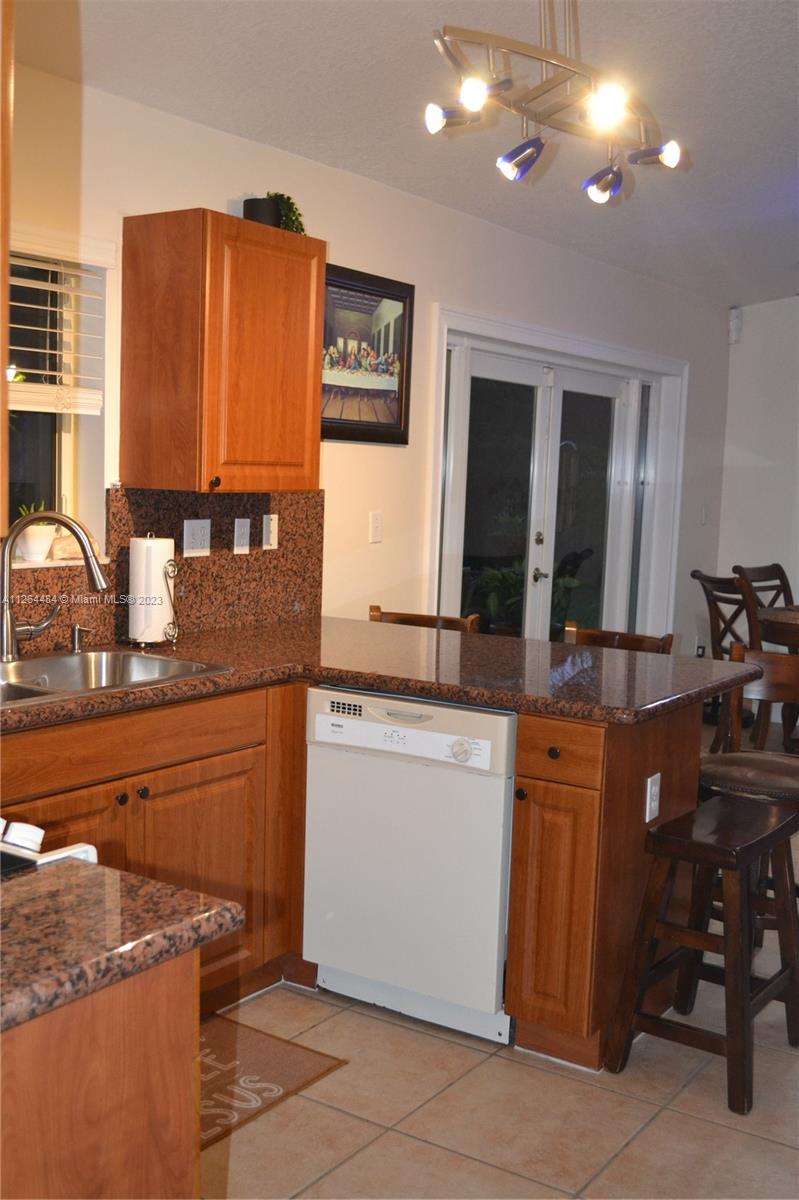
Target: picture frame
[(366, 357)]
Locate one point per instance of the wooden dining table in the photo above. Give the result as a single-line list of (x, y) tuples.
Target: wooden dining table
[(780, 626)]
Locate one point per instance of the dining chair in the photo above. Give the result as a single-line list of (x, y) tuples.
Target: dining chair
[(769, 585), (727, 606), (470, 624), (763, 588), (612, 640)]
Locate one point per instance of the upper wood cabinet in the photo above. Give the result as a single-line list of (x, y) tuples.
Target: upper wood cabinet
[(222, 329)]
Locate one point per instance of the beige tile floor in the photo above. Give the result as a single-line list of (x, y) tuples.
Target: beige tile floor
[(424, 1112)]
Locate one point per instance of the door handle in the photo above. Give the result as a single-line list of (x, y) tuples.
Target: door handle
[(537, 574)]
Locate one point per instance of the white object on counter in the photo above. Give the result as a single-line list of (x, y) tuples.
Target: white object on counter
[(151, 593), (26, 837)]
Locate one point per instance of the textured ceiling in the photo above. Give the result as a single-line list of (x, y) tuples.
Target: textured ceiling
[(345, 82)]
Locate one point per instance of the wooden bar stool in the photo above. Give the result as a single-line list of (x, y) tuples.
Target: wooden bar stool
[(470, 624), (731, 835)]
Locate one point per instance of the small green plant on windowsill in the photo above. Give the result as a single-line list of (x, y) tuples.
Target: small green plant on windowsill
[(290, 215), (27, 510)]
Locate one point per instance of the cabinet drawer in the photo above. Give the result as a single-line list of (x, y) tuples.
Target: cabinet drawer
[(563, 751), (39, 762)]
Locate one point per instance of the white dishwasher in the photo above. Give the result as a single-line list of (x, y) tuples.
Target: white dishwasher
[(408, 854)]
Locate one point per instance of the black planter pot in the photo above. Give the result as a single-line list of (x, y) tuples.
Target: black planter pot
[(262, 210)]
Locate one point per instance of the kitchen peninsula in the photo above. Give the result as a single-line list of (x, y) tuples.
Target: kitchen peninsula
[(593, 726), (99, 1044)]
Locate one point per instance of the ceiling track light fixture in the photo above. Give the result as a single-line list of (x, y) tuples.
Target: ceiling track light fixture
[(553, 92)]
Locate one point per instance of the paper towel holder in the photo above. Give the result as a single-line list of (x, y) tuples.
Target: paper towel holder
[(171, 629)]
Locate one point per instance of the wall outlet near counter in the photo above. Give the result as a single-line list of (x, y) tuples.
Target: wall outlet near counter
[(241, 535), (269, 534), (197, 538), (652, 805)]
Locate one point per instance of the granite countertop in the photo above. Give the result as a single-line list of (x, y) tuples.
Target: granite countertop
[(577, 682), (72, 928)]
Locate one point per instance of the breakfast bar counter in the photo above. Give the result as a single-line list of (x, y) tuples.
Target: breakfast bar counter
[(581, 683)]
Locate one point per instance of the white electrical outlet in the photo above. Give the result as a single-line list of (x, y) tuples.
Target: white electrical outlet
[(375, 527), (241, 535), (196, 539), (269, 532), (652, 807)]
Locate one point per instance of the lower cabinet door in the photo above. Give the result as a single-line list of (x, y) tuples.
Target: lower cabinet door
[(201, 826), (95, 814), (552, 905)]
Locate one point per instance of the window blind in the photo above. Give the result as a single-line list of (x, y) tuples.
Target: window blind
[(56, 336)]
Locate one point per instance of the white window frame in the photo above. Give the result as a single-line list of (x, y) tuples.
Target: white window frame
[(58, 244)]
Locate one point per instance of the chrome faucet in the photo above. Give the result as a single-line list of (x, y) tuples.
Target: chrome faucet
[(10, 631)]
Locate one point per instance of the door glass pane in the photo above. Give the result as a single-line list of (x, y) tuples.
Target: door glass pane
[(638, 520), (582, 510), (497, 503)]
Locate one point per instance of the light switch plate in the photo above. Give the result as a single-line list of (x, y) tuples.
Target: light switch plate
[(375, 527), (197, 538), (241, 535), (269, 534)]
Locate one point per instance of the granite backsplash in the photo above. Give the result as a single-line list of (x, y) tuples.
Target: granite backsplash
[(223, 589)]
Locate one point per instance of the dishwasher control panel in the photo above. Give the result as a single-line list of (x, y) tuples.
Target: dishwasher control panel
[(416, 743), (474, 739)]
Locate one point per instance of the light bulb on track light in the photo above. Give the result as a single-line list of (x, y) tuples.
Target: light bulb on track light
[(522, 158), (607, 106), (668, 154), (603, 184), (436, 117), (475, 91)]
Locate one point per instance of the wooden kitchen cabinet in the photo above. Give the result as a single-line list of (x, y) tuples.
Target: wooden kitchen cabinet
[(201, 826), (190, 808), (222, 331), (95, 815), (551, 920), (579, 867)]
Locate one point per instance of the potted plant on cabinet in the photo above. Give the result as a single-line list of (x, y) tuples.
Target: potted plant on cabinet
[(276, 209)]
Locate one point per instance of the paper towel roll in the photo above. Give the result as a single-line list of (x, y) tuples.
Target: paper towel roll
[(151, 593)]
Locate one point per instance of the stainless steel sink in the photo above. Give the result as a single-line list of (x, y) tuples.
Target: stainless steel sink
[(45, 677), (12, 693)]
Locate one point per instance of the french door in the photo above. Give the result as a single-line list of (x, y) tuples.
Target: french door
[(541, 501)]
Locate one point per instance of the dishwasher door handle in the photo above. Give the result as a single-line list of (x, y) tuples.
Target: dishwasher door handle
[(406, 716)]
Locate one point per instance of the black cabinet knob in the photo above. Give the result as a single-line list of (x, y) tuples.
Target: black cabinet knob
[(143, 792), (122, 799), (521, 793), (215, 482), (554, 751)]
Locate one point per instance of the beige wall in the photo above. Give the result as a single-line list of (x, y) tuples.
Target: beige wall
[(116, 158), (760, 499)]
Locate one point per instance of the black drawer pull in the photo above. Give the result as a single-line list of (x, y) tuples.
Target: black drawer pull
[(521, 793), (122, 798), (554, 751), (215, 482), (143, 792)]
